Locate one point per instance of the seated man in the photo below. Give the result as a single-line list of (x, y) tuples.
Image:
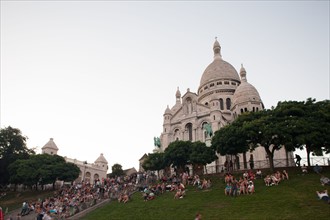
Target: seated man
[(25, 209), (324, 180), (258, 174), (317, 169), (250, 187), (323, 195), (304, 169)]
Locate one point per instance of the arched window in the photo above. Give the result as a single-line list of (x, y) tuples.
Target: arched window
[(96, 176), (221, 104), (189, 130), (228, 103)]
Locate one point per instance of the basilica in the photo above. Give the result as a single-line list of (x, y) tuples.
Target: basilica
[(222, 95)]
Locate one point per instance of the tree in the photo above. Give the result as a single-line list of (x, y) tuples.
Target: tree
[(117, 170), (309, 124), (201, 154), (265, 130), (12, 148), (177, 154), (154, 162), (42, 169)]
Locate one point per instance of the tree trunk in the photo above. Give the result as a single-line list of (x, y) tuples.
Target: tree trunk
[(308, 151), (244, 160), (270, 155)]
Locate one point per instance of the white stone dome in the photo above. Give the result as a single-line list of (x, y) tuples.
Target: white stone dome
[(218, 69), (168, 111), (245, 92)]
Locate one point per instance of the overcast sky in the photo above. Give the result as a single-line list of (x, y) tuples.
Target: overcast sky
[(97, 76)]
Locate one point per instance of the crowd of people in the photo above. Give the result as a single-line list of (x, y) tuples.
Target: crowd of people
[(73, 198)]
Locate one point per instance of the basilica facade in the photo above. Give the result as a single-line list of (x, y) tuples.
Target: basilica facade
[(88, 171), (222, 95)]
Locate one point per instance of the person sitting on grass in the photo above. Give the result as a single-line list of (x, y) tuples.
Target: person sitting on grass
[(324, 180), (304, 169), (323, 195), (125, 198), (245, 175), (242, 189), (275, 180), (251, 175), (285, 175), (258, 174), (251, 187), (179, 194), (317, 169), (268, 180), (228, 189)]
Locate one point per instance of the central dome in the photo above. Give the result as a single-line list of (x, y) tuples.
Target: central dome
[(218, 69)]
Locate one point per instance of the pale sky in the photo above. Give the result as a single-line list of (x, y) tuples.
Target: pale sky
[(97, 75)]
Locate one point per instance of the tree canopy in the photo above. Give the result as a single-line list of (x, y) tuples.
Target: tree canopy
[(308, 123), (12, 147), (117, 170), (177, 154), (154, 162), (42, 169)]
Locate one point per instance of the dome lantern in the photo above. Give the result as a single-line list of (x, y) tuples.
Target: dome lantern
[(242, 72), (217, 49), (178, 96)]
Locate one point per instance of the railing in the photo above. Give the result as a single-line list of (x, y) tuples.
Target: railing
[(263, 164)]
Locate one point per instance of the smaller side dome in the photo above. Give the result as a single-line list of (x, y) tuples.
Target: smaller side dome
[(245, 92), (168, 111), (101, 159)]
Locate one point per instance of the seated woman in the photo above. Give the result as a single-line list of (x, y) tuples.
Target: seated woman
[(278, 175), (268, 180), (251, 175), (125, 198), (242, 189), (275, 180), (179, 194), (228, 189), (204, 184)]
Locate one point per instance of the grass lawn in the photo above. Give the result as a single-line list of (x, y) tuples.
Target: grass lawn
[(291, 199)]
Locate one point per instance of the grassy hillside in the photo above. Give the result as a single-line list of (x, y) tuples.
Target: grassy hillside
[(291, 199)]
